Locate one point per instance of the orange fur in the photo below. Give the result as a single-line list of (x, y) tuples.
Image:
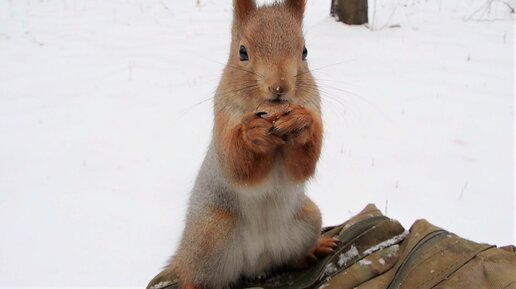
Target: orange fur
[(247, 150), (220, 225), (242, 8), (189, 286), (324, 247), (304, 131), (179, 267), (310, 212), (297, 7)]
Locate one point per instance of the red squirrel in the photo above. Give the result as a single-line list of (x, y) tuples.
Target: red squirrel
[(248, 212)]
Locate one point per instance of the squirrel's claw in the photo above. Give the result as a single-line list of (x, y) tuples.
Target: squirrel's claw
[(325, 246)]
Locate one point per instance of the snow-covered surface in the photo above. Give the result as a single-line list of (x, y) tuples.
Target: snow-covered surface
[(105, 115)]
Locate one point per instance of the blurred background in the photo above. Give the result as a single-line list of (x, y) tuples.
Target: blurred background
[(105, 116)]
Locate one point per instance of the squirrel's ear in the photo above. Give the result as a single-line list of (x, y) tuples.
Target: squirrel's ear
[(242, 9), (297, 7)]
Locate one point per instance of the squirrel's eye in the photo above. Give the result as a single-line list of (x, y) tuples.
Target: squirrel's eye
[(242, 51), (305, 53)]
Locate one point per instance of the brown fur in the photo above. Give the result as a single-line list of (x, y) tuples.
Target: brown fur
[(249, 150), (309, 212), (189, 286), (297, 7), (242, 8), (208, 236), (304, 131), (324, 246)]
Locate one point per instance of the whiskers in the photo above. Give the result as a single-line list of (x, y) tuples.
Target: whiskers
[(238, 89), (337, 96)]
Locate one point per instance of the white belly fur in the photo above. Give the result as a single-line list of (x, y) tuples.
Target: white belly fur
[(268, 232)]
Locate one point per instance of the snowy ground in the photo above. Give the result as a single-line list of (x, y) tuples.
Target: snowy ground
[(103, 125)]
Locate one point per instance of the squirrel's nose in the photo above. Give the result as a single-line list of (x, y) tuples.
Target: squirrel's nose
[(278, 89)]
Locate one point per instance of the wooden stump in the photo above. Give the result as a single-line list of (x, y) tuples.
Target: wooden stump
[(352, 12)]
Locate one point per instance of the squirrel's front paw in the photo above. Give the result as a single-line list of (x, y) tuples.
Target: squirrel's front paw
[(257, 133), (294, 126)]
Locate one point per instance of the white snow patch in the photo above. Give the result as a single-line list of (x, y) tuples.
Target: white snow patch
[(344, 258), (365, 262), (161, 285), (394, 249), (387, 243), (330, 269), (381, 261)]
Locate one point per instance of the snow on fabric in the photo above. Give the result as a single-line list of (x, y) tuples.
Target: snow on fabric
[(344, 258), (386, 243)]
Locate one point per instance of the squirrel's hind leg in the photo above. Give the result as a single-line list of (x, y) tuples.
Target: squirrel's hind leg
[(189, 286), (197, 261), (322, 245)]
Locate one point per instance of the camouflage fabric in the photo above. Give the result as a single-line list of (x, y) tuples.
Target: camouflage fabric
[(376, 252)]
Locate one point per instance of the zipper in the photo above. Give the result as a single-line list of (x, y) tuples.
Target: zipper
[(356, 230), (422, 244)]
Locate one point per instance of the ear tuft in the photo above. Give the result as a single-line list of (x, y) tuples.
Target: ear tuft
[(297, 7), (242, 9)]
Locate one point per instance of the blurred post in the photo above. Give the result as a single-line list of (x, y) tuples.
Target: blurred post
[(352, 12)]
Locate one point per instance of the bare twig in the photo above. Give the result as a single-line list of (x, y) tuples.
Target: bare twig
[(166, 7), (485, 9), (463, 190), (373, 16), (386, 207)]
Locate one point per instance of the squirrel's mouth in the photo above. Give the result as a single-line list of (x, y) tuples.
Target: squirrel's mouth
[(277, 101)]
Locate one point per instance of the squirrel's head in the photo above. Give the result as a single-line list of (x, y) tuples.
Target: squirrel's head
[(268, 55)]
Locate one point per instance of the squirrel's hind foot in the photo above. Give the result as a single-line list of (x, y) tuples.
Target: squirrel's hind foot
[(324, 247)]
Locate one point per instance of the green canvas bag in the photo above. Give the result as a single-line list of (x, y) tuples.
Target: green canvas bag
[(376, 252)]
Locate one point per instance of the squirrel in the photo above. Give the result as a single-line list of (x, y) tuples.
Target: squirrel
[(248, 212)]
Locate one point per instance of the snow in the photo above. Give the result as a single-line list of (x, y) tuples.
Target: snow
[(387, 243), (329, 269), (161, 285), (105, 115), (344, 258), (364, 262)]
